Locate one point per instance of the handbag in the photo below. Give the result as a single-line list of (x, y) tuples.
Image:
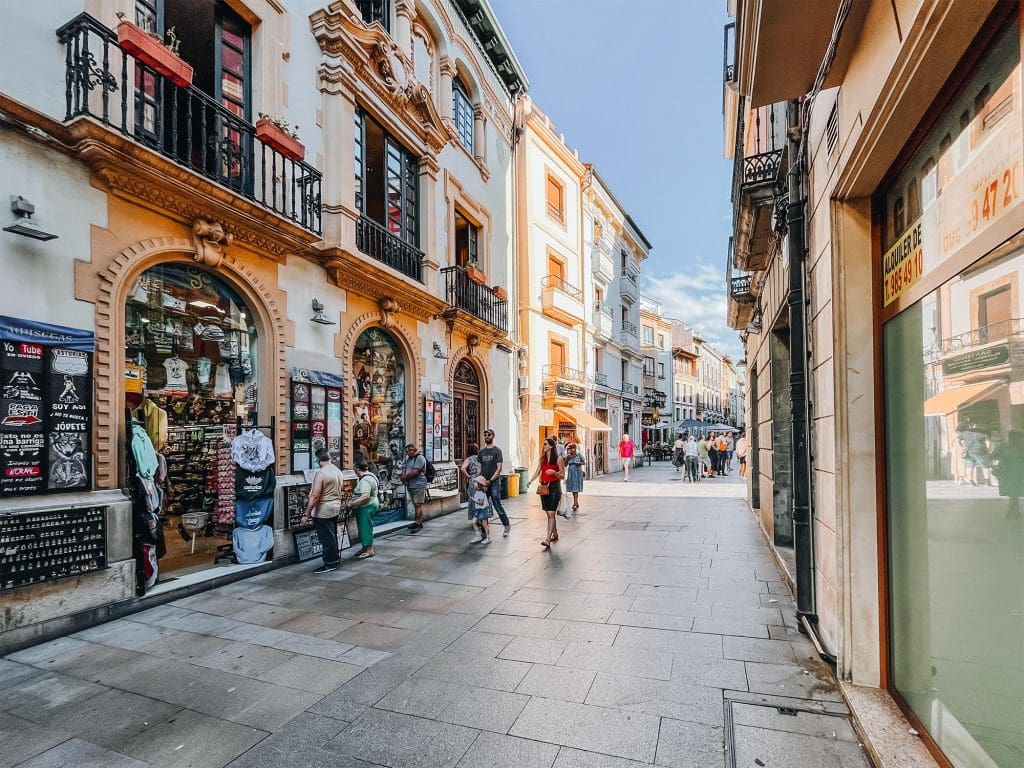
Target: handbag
[(543, 489)]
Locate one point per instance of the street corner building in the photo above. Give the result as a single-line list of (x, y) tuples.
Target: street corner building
[(875, 276), (239, 232)]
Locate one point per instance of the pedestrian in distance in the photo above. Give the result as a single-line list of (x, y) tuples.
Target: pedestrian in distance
[(323, 507), (713, 453), (741, 453), (692, 459), (365, 503), (679, 453), (480, 506), (723, 455), (491, 462), (704, 457), (626, 450), (550, 470), (414, 476), (575, 470), (730, 448), (470, 469)]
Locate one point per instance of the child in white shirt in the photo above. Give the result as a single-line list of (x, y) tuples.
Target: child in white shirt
[(480, 506)]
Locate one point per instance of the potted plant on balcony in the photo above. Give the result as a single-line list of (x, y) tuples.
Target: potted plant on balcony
[(474, 273), (277, 134), (500, 292), (160, 55)]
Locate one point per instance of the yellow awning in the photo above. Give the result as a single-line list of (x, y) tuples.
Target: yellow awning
[(583, 419), (953, 398)]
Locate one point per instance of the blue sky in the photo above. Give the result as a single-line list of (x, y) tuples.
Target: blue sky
[(637, 87)]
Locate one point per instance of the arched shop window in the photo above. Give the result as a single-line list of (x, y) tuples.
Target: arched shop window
[(379, 415), (191, 363)]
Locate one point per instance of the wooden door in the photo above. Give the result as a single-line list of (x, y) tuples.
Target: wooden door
[(465, 414)]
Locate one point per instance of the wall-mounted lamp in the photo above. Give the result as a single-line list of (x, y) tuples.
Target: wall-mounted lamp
[(23, 224), (439, 353), (318, 314)]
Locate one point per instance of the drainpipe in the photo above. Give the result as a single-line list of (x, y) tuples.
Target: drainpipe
[(803, 528)]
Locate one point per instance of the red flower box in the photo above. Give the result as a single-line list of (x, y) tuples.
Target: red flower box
[(500, 292), (154, 54), (275, 138), (476, 275)]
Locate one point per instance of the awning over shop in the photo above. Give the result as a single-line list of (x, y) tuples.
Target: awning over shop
[(583, 419), (953, 398)]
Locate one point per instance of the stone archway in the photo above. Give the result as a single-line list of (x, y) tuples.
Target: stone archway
[(107, 284)]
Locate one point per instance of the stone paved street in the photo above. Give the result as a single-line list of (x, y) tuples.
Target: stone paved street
[(657, 631)]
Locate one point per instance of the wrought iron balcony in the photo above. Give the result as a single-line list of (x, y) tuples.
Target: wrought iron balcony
[(986, 334), (739, 288), (559, 283), (630, 389), (564, 372), (378, 243), (628, 327), (601, 379), (479, 300), (604, 308), (193, 130), (762, 168)]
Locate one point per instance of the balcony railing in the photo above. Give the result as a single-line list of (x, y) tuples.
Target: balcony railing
[(556, 281), (556, 213), (601, 379), (187, 126), (478, 300), (987, 334), (630, 389), (739, 287), (762, 167), (378, 243), (604, 309), (564, 372), (628, 327)]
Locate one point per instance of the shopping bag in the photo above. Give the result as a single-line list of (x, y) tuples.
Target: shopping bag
[(565, 507)]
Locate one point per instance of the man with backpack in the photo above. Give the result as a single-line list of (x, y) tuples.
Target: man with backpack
[(415, 476)]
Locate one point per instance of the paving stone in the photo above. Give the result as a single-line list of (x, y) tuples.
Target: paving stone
[(686, 643), (524, 608), (663, 605), (317, 625), (608, 731), (562, 683), (737, 628), (364, 657), (637, 661), (663, 698), (577, 758), (519, 625), (795, 750), (32, 697), (243, 659), (22, 739), (455, 668), (752, 649), (692, 745), (493, 750), (190, 739), (308, 673), (533, 649), (584, 632), (474, 643), (483, 708), (652, 620), (712, 672), (374, 636), (421, 697), (581, 612), (388, 738), (13, 673), (791, 680), (81, 754), (41, 655)]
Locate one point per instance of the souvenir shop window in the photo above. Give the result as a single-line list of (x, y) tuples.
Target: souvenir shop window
[(378, 415)]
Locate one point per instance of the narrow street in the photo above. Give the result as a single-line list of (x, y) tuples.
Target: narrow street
[(656, 631)]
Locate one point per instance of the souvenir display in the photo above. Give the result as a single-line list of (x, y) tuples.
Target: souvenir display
[(437, 417), (45, 408), (190, 340), (51, 545), (315, 416), (378, 416)]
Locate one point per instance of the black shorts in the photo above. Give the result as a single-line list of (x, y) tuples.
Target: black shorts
[(743, 461)]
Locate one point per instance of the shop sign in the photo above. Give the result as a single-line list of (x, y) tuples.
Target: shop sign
[(600, 400), (45, 407), (569, 391), (976, 360), (903, 264), (627, 406)]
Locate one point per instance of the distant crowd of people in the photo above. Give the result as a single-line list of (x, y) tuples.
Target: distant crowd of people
[(711, 455)]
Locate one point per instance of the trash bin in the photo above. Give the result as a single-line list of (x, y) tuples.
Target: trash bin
[(523, 480), (513, 485), (504, 486)]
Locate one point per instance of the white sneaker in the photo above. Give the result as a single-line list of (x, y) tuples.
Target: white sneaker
[(477, 540), (486, 541), (508, 530)]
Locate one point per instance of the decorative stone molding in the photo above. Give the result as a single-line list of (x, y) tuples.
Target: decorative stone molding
[(107, 280), (469, 354), (388, 308), (211, 242)]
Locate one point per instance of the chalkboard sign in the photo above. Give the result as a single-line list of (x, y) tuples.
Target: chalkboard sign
[(44, 546), (45, 408), (307, 543), (296, 497)]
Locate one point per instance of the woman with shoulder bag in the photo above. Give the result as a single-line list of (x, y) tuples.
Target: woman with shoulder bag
[(551, 470)]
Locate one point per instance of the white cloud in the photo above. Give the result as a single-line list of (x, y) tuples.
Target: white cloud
[(697, 296)]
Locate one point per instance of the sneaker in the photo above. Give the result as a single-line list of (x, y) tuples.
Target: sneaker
[(508, 530), (477, 540), (486, 541), (415, 528), (326, 569)]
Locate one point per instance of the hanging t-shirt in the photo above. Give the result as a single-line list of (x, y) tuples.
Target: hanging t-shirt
[(222, 383), (254, 485), (203, 367), (252, 450), (146, 462), (176, 369)]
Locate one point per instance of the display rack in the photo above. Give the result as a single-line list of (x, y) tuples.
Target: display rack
[(45, 546)]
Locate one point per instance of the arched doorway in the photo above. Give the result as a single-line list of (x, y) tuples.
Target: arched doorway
[(378, 412), (466, 413)]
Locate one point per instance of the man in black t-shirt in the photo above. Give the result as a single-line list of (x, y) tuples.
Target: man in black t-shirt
[(491, 460)]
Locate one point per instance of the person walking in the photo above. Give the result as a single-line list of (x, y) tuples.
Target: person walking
[(679, 453), (470, 469), (626, 450), (730, 448), (741, 453), (480, 506), (723, 455), (713, 453), (491, 462), (550, 470), (1009, 471), (324, 507), (365, 502), (692, 457), (414, 476), (574, 472), (704, 457)]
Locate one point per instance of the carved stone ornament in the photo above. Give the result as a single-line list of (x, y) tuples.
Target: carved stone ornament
[(472, 341), (211, 241), (388, 308)]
